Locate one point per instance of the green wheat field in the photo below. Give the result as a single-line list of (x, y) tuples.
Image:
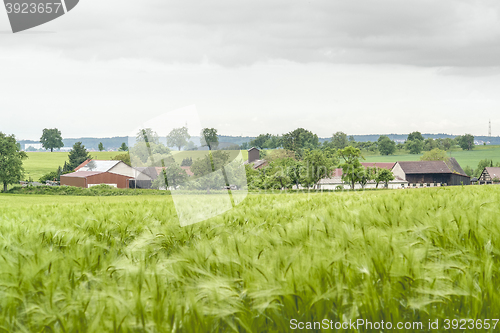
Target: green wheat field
[(123, 264)]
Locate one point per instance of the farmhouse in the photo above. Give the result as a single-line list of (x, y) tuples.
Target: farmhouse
[(489, 175), (431, 173), (254, 159), (336, 182)]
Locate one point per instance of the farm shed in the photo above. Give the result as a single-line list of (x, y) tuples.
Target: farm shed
[(254, 159), (116, 167), (86, 179), (431, 173), (489, 175)]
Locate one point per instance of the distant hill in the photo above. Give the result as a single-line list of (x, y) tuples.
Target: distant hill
[(115, 142)]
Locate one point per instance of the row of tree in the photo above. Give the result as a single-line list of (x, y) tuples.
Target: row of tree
[(300, 139)]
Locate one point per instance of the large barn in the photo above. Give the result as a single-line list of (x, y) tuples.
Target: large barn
[(431, 173), (96, 172)]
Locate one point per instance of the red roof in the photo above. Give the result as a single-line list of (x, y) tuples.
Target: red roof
[(83, 164), (383, 165)]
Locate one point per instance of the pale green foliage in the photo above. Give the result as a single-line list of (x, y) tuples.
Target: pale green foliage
[(171, 177), (74, 264), (352, 169), (435, 154), (178, 137)]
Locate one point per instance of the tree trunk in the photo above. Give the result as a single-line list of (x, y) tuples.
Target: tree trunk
[(5, 187), (51, 150)]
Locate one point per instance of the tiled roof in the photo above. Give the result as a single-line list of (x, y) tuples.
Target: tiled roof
[(421, 167), (381, 165), (493, 172)]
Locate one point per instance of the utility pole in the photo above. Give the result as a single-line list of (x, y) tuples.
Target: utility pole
[(489, 130)]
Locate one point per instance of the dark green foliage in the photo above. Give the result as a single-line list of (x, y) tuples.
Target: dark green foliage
[(414, 136), (125, 158), (51, 139), (188, 161), (466, 142), (100, 146), (11, 161), (78, 155), (386, 146), (123, 147), (209, 138), (339, 140), (300, 139)]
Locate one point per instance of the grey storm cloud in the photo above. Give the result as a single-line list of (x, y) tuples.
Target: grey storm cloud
[(232, 33)]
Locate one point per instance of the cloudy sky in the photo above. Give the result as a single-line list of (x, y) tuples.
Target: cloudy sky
[(256, 66)]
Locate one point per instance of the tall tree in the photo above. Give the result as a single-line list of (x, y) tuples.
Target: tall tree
[(78, 155), (352, 169), (178, 137), (51, 139), (300, 139), (260, 141), (147, 135), (11, 160), (414, 146), (317, 166), (209, 138), (339, 140), (101, 146), (123, 147), (415, 136), (385, 145), (466, 142)]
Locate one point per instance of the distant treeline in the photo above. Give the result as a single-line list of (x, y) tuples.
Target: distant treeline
[(115, 142)]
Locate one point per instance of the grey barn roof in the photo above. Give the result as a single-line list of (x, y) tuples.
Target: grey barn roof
[(421, 167)]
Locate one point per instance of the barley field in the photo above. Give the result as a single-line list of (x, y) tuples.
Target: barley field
[(123, 264)]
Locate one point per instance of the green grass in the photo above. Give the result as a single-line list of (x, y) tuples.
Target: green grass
[(41, 163), (464, 158), (123, 264)]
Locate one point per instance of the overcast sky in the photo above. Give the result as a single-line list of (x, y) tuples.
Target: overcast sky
[(256, 66)]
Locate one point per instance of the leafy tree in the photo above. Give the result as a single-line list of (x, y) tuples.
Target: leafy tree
[(352, 167), (101, 146), (191, 146), (171, 176), (415, 136), (51, 139), (123, 147), (339, 140), (300, 139), (466, 142), (430, 144), (245, 146), (481, 165), (352, 141), (435, 155), (209, 138), (279, 154), (125, 158), (444, 144), (469, 171), (260, 141), (78, 155), (365, 176), (385, 145), (317, 166), (383, 176), (207, 165), (11, 161), (414, 146), (147, 135), (178, 137)]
